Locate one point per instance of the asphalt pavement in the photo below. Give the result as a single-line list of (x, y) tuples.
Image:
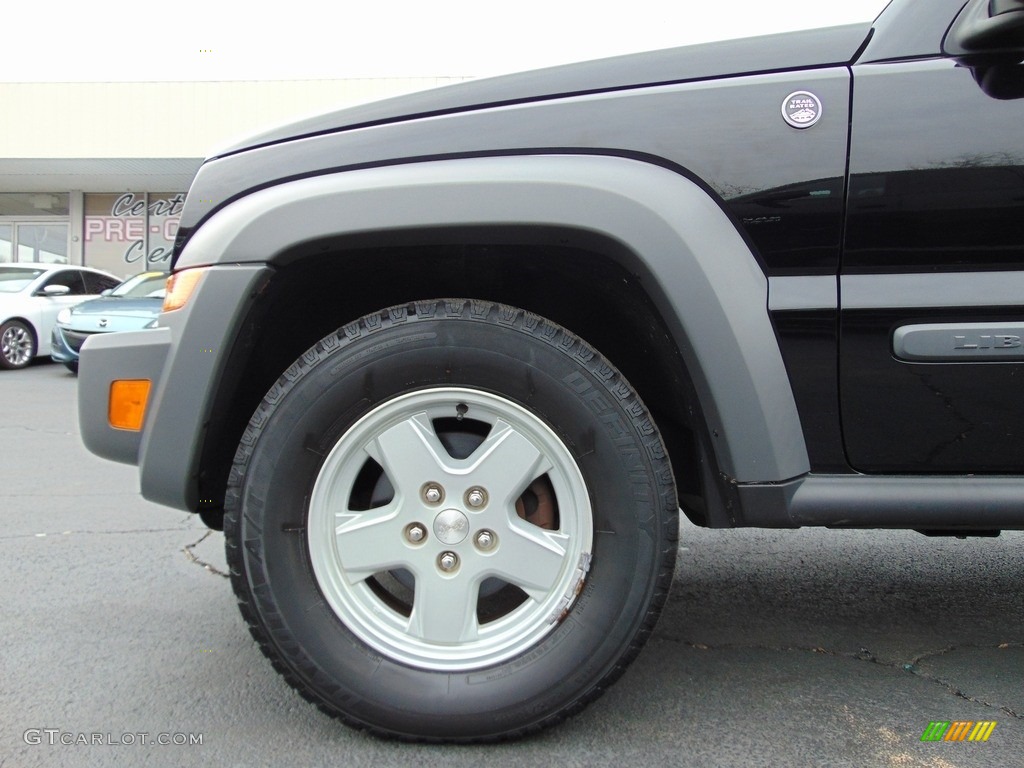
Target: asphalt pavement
[(119, 631)]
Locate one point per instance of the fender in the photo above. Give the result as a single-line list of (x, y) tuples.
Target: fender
[(699, 272)]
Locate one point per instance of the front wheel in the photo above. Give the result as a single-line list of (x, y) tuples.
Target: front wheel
[(451, 521), (17, 344)]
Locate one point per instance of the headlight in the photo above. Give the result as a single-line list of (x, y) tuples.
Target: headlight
[(180, 286), (64, 316)]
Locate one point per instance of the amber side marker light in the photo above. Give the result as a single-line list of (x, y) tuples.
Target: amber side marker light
[(180, 286), (127, 406)]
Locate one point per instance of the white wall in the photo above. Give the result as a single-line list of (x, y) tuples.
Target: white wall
[(168, 120)]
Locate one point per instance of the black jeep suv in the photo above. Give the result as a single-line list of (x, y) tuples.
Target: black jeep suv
[(446, 367)]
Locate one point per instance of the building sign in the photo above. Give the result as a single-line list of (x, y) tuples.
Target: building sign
[(131, 232)]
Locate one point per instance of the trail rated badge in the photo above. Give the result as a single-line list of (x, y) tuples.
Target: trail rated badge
[(801, 109)]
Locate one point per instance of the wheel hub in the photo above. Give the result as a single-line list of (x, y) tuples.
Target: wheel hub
[(451, 526)]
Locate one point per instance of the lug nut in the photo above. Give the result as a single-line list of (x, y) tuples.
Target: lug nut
[(432, 494), (476, 497), (415, 533), (448, 561), (485, 539)]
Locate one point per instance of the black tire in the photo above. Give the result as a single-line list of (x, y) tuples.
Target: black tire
[(72, 366), (308, 516), (17, 344)]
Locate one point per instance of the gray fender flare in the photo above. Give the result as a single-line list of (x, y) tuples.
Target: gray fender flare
[(693, 263)]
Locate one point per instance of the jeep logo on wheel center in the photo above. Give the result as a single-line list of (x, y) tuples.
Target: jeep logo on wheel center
[(451, 526)]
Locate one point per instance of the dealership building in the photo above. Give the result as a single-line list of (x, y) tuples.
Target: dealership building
[(98, 173)]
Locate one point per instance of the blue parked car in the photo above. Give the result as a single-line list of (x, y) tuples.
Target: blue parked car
[(131, 306)]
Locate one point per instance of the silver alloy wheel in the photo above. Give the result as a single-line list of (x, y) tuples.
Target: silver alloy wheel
[(16, 345), (410, 573)]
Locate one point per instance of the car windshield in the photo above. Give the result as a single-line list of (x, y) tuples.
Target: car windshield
[(142, 285), (14, 280)]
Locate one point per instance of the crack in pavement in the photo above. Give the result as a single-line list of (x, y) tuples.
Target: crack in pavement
[(37, 429), (45, 534), (863, 654), (188, 550), (68, 495), (951, 687)]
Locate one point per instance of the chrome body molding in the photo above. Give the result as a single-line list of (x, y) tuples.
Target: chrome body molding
[(934, 289), (803, 292)]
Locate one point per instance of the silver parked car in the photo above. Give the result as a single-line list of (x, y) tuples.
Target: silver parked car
[(31, 296)]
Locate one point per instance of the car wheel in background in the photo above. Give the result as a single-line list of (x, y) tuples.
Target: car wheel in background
[(17, 344)]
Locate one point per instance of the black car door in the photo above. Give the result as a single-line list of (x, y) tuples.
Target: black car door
[(932, 284)]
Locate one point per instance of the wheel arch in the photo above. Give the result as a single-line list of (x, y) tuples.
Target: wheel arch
[(557, 235), (24, 320)]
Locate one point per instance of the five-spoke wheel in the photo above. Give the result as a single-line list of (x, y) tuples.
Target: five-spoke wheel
[(416, 540)]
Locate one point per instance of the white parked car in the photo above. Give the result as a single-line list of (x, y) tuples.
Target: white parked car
[(31, 295)]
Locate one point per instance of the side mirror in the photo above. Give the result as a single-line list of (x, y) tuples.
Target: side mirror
[(1000, 81), (106, 291), (56, 290), (988, 28)]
